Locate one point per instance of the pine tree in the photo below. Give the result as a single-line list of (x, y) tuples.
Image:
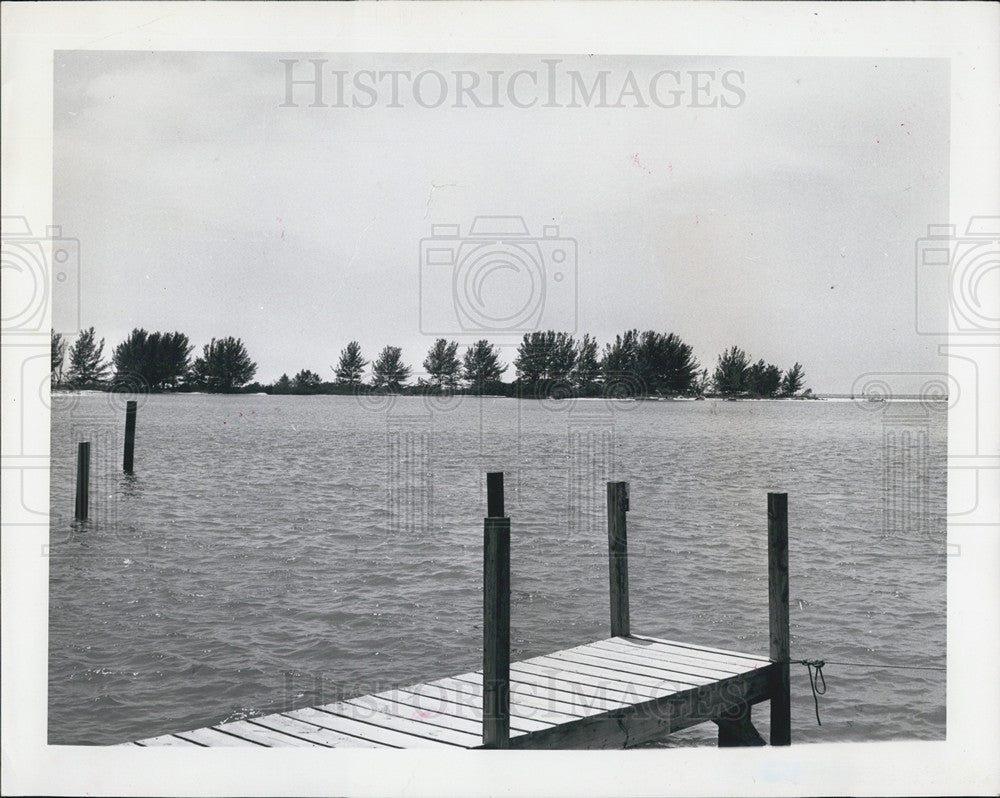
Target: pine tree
[(588, 368), (389, 371), (621, 357), (792, 382), (159, 360), (703, 383), (224, 366), (763, 379), (307, 381), (58, 357), (351, 366), (282, 385), (731, 371), (481, 366), (442, 363), (86, 360), (545, 360), (665, 364)]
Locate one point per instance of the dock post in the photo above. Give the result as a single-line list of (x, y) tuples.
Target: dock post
[(496, 618), (82, 480), (130, 409), (618, 557), (777, 588), (494, 494)]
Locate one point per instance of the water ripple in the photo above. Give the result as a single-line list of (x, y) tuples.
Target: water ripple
[(311, 549)]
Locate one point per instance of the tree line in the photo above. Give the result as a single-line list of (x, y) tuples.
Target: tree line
[(546, 364), (151, 361)]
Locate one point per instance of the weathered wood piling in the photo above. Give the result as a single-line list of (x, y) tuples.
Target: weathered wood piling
[(777, 590), (82, 480), (496, 617), (127, 459), (618, 557)]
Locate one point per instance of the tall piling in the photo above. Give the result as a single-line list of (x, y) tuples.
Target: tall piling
[(127, 460), (777, 589), (618, 557), (82, 480), (496, 618)]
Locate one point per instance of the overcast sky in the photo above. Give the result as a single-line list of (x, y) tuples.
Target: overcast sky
[(776, 206)]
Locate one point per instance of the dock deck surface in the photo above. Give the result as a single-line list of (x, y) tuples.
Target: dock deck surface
[(613, 693)]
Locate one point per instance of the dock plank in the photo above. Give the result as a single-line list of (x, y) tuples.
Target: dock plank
[(523, 693), (470, 694), (463, 706), (641, 654), (526, 705), (391, 715), (170, 740), (629, 670), (539, 681), (258, 733), (214, 737), (721, 653), (587, 687), (310, 731), (607, 675), (540, 706), (437, 710), (366, 731), (558, 696), (562, 697)]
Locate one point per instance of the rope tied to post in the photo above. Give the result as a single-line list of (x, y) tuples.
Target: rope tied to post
[(817, 680)]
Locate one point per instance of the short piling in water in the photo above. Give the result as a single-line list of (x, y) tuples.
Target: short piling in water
[(130, 411), (618, 557), (496, 618), (777, 589), (82, 480)]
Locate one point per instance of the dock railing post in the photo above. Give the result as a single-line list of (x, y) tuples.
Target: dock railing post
[(618, 557), (82, 480), (777, 588), (496, 618), (130, 410)]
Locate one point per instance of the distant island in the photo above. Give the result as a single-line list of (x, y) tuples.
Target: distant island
[(549, 364)]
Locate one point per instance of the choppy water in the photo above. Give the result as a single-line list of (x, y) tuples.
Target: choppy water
[(283, 551)]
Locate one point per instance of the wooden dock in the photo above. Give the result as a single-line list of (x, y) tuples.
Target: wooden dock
[(619, 692)]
